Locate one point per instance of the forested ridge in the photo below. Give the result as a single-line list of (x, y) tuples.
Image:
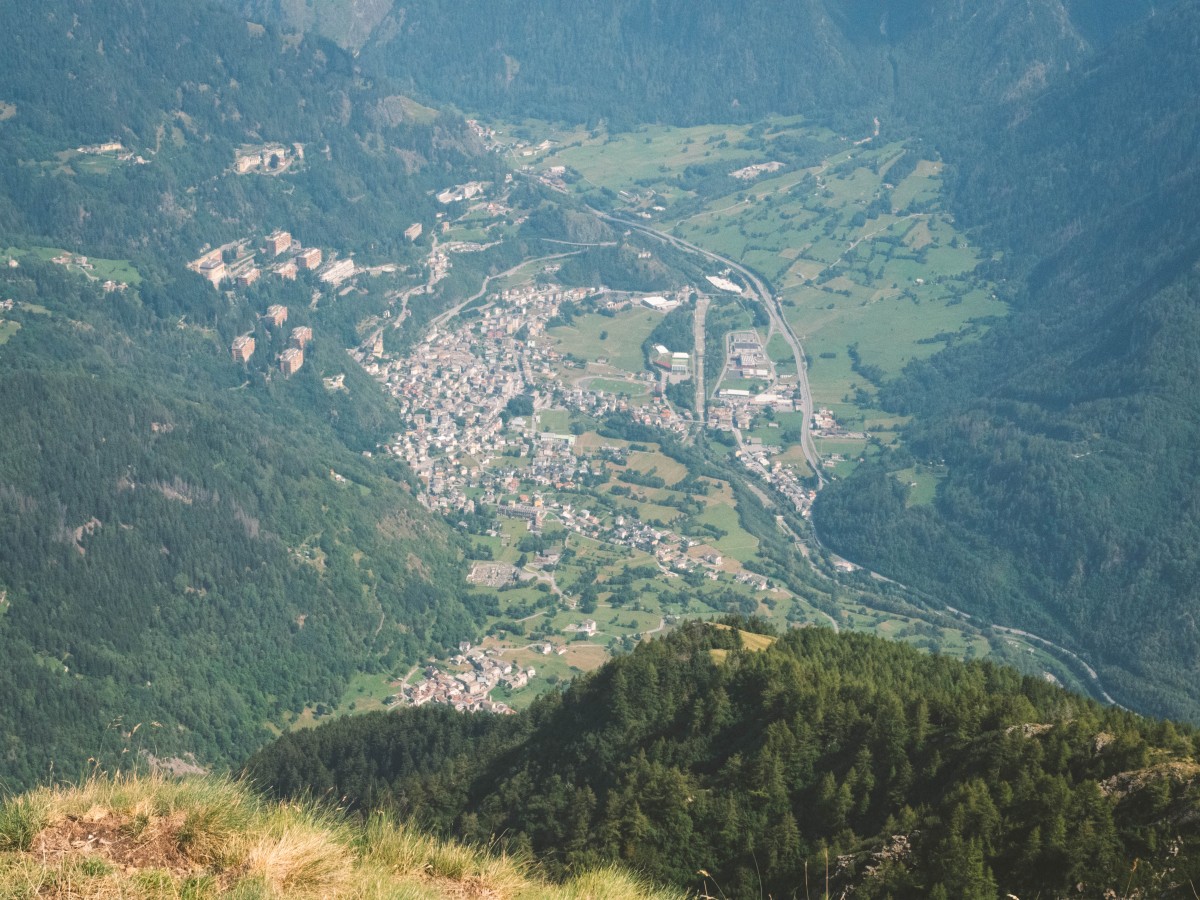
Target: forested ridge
[(919, 776), (629, 63), (176, 548)]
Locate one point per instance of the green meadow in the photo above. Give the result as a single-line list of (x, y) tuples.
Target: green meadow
[(7, 329), (615, 338), (862, 254), (103, 269)]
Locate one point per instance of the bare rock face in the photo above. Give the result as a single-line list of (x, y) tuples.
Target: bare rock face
[(348, 23)]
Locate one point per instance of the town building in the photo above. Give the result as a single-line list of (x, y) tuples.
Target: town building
[(287, 271), (291, 360), (213, 270), (276, 315), (301, 335), (659, 304), (110, 147), (248, 277), (413, 231), (279, 242), (531, 514), (309, 259), (338, 271), (243, 349)]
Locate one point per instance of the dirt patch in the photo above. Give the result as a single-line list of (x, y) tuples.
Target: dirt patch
[(88, 528), (415, 565), (471, 887), (173, 493), (1029, 729), (130, 844), (399, 526)]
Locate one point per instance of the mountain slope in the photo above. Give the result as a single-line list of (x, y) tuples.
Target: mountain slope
[(177, 549), (686, 62), (192, 550), (920, 776), (184, 87), (1069, 431)]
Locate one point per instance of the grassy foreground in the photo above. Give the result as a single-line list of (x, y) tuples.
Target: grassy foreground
[(150, 837)]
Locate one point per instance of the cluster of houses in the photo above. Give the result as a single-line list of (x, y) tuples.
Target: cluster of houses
[(825, 425), (116, 149), (455, 386), (749, 173), (653, 410), (84, 265), (469, 686), (758, 460), (735, 409), (454, 390)]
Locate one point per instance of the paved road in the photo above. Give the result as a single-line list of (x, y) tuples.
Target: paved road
[(1064, 651), (578, 244)]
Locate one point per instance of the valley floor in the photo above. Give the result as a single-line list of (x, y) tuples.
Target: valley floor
[(588, 541)]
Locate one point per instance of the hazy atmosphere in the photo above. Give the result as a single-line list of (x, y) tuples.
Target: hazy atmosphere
[(638, 448)]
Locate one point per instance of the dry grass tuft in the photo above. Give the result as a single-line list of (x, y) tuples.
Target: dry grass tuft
[(612, 884), (300, 862), (153, 838)]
